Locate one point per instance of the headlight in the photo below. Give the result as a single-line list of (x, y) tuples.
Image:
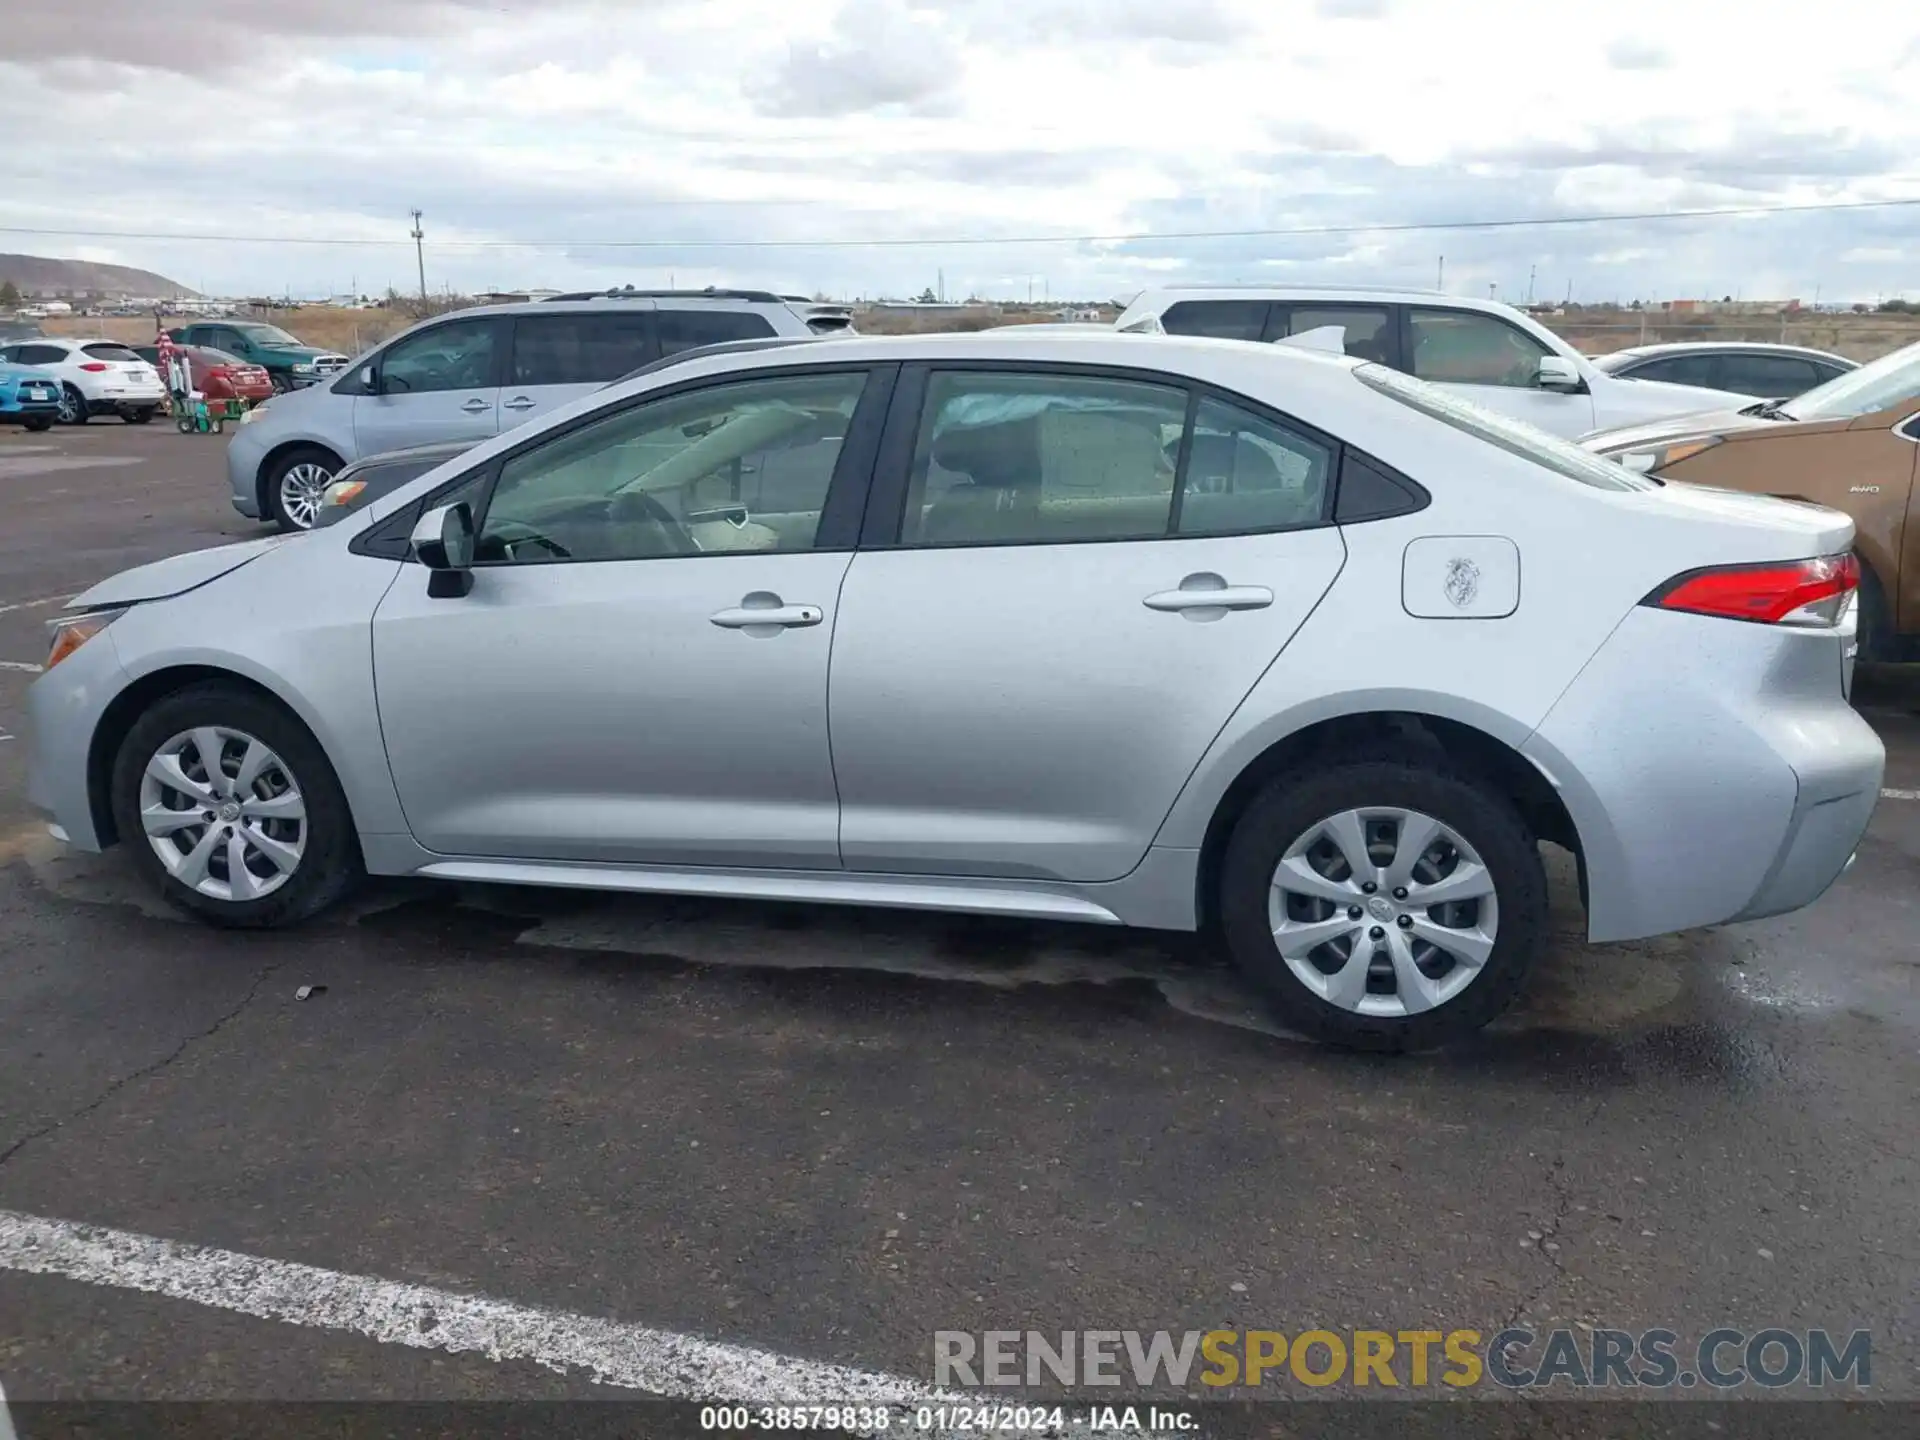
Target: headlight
[(341, 492), (305, 368), (68, 634), (252, 413), (1659, 457)]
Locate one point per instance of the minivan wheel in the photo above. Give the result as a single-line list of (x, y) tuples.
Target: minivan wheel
[(230, 809), (296, 484), (1383, 905)]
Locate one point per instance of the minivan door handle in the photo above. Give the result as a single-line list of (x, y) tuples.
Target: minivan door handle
[(475, 406), (1205, 592), (519, 402), (763, 613)]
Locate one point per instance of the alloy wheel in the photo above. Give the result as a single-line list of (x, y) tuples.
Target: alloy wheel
[(70, 403), (301, 489), (224, 813), (1383, 911)]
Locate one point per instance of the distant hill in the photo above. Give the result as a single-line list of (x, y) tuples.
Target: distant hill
[(43, 276)]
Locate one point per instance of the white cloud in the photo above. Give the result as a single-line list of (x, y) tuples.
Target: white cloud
[(686, 123)]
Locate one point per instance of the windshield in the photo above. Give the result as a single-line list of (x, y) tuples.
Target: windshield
[(1515, 436), (271, 336), (1891, 381)]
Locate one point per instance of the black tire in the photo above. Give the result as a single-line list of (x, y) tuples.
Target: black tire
[(330, 864), (282, 383), (276, 509), (137, 414), (1291, 806), (76, 412), (1876, 630), (38, 424)]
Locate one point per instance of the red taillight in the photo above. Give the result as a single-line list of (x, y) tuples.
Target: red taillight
[(1799, 592), (220, 372), (94, 367)]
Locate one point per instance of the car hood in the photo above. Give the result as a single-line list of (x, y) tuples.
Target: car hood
[(1695, 426), (174, 575)]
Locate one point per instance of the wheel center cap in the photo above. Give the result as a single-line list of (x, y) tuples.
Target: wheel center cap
[(230, 811), (1380, 908)]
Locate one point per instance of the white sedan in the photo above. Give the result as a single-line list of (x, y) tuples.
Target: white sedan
[(97, 377)]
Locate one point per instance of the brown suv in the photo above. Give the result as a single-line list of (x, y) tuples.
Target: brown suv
[(1852, 444)]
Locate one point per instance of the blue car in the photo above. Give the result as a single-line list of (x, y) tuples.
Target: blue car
[(29, 396)]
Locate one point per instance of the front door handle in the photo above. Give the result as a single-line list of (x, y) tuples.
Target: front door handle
[(763, 613), (1207, 592), (475, 406), (519, 402)]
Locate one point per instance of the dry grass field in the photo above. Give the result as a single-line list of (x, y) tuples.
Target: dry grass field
[(1593, 332)]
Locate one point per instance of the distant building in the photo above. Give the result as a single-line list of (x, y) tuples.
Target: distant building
[(1730, 307)]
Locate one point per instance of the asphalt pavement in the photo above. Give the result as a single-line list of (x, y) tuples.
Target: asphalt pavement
[(822, 1135)]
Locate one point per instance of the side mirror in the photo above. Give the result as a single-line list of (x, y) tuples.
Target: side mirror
[(443, 541), (1556, 372), (370, 379)]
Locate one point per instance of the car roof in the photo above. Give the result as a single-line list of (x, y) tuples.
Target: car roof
[(616, 300), (1728, 347)]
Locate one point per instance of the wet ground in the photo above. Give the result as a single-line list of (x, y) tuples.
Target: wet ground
[(830, 1133)]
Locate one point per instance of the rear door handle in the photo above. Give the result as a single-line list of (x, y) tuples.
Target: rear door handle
[(519, 402), (762, 613), (475, 406), (1207, 591)]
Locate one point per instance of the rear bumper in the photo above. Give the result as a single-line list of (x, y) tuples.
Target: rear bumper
[(1714, 771)]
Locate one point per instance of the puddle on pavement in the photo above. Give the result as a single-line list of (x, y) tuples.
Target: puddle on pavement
[(1577, 997)]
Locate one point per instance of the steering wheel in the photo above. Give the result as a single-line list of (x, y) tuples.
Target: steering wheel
[(622, 506), (502, 531)]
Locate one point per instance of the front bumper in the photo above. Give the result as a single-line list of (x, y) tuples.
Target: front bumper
[(1713, 769), (244, 454), (64, 707)]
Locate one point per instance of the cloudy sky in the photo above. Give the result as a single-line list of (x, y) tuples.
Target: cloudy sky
[(879, 143)]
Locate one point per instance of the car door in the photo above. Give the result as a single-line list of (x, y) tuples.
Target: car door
[(556, 358), (1484, 359), (1068, 581), (440, 383), (639, 672)]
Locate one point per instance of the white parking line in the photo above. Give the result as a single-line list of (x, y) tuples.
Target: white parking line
[(1900, 794), (6, 1420), (26, 665), (60, 599), (611, 1352)]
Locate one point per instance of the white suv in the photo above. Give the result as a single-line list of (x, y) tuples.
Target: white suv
[(1480, 349), (97, 377)]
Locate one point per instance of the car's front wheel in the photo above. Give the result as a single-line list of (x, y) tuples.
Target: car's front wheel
[(1383, 905), (231, 810), (73, 406), (280, 381), (296, 484), (39, 423)]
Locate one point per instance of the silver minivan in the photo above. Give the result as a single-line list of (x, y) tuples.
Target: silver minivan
[(471, 374)]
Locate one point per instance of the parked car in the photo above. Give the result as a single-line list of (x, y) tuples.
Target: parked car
[(29, 397), (1775, 372), (96, 377), (1490, 353), (216, 374), (290, 364), (1852, 443), (470, 375), (1183, 634)]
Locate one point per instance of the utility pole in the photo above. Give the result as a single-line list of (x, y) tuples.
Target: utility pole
[(420, 254), (1492, 289), (1440, 280), (1532, 270), (940, 290)]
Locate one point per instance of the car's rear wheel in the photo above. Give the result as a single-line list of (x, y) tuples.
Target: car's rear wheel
[(73, 406), (231, 811), (1383, 905), (296, 484), (137, 414)]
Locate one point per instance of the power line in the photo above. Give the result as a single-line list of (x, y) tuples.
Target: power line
[(1276, 233)]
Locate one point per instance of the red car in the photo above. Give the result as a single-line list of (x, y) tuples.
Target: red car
[(218, 375)]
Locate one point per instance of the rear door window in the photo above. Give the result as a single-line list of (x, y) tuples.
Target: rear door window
[(1368, 328), (687, 329), (1221, 319), (584, 348), (1246, 474), (1697, 370)]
